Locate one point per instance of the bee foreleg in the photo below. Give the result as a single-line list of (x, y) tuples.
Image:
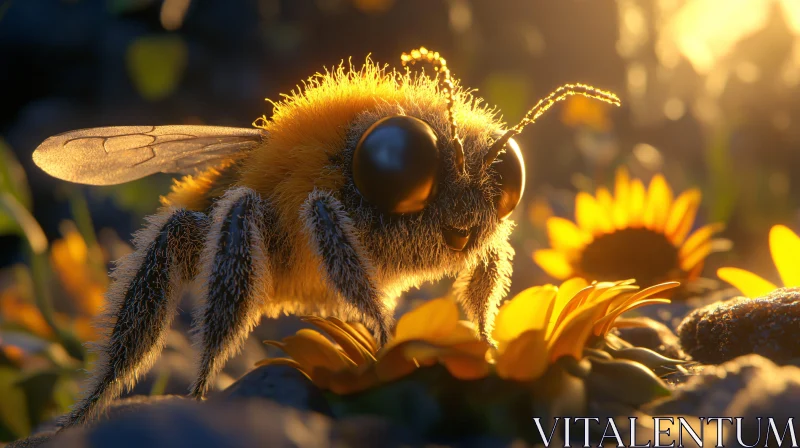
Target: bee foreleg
[(236, 275), (481, 289), (142, 300), (346, 266)]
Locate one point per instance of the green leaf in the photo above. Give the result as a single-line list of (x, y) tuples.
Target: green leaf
[(139, 197), (156, 65), (12, 176), (14, 182), (39, 388), (14, 421), (625, 382), (646, 356), (24, 222), (406, 401)]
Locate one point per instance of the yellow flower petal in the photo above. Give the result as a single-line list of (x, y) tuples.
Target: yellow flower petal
[(751, 285), (649, 292), (464, 332), (785, 248), (359, 332), (689, 261), (528, 310), (682, 215), (313, 350), (566, 292), (525, 358), (700, 237), (590, 217), (565, 235), (280, 362), (393, 363), (554, 263), (605, 200), (355, 350), (348, 382), (636, 206), (570, 338), (622, 198), (658, 203), (465, 367), (604, 325), (430, 321), (573, 304)]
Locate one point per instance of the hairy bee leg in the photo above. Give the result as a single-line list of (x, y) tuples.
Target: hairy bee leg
[(481, 289), (235, 269), (142, 300), (347, 268)]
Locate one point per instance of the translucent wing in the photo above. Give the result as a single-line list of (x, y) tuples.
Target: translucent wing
[(118, 154)]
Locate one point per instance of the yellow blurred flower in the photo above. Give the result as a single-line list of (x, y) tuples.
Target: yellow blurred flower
[(70, 258), (784, 246), (431, 333), (544, 323), (14, 309), (640, 233)]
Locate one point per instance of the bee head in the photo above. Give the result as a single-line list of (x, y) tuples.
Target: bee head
[(449, 187)]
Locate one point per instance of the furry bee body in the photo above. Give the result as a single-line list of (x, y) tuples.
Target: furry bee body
[(362, 184), (311, 136)]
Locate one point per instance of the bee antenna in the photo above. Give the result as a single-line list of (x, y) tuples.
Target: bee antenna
[(446, 85), (542, 106)]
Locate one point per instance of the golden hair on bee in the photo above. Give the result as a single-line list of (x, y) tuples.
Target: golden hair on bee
[(363, 183)]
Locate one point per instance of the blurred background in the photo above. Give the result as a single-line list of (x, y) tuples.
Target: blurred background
[(709, 91)]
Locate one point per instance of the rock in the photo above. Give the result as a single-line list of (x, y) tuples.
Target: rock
[(766, 325), (648, 333), (244, 423), (283, 384), (117, 408), (748, 385), (774, 394)]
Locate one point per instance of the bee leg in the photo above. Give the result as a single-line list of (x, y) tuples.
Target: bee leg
[(142, 300), (481, 289), (346, 266), (235, 269)]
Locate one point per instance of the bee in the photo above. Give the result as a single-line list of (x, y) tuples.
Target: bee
[(362, 184)]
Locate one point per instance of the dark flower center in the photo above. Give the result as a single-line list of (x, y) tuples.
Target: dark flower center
[(643, 254)]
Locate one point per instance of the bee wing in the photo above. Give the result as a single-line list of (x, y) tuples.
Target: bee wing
[(118, 154)]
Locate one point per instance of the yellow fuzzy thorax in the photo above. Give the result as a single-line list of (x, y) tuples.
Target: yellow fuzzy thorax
[(310, 125)]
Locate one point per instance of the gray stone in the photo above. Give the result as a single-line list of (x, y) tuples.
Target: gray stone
[(283, 384), (767, 326), (748, 385), (244, 423)]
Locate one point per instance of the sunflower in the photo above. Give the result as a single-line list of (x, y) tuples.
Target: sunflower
[(545, 323), (350, 360), (640, 233), (532, 331), (784, 245)]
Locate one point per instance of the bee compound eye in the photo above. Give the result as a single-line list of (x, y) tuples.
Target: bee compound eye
[(396, 163), (509, 169)]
